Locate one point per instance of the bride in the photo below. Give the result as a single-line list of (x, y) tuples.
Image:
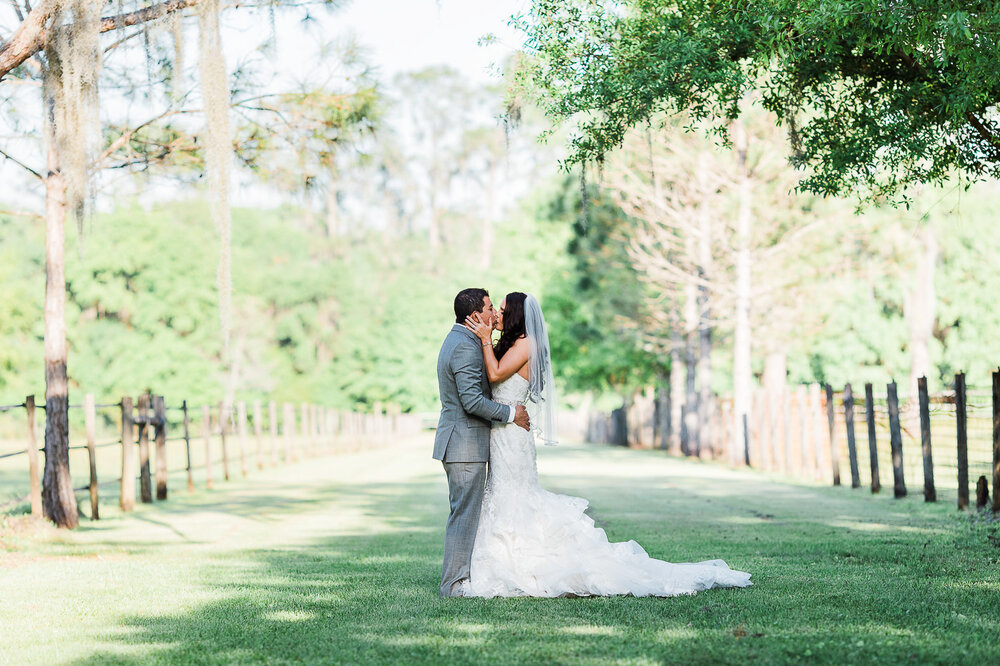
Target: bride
[(531, 542)]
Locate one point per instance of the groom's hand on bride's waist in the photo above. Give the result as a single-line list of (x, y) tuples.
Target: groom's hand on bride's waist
[(521, 417)]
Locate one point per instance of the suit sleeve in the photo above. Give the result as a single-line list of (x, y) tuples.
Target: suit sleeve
[(467, 366)]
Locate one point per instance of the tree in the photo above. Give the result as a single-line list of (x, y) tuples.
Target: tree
[(594, 304), (669, 184), (875, 97), (300, 137), (59, 43), (439, 103), (727, 253)]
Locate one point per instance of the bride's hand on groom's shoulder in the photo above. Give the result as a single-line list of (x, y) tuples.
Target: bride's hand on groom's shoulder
[(483, 330)]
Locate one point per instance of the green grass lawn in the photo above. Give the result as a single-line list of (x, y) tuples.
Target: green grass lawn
[(337, 560)]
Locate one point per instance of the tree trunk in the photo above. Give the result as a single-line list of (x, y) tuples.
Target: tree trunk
[(704, 314), (333, 208), (742, 372), (676, 393), (664, 429), (918, 307), (488, 218), (690, 437), (58, 499), (775, 373), (434, 229)]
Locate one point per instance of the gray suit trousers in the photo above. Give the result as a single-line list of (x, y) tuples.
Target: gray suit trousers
[(466, 485)]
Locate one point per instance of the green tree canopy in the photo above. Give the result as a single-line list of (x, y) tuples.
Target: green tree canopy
[(875, 95)]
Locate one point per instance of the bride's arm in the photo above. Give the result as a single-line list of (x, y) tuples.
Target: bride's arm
[(512, 361)]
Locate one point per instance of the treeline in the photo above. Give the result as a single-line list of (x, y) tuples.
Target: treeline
[(351, 321), (358, 319)]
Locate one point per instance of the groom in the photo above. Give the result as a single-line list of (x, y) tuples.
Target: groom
[(462, 440)]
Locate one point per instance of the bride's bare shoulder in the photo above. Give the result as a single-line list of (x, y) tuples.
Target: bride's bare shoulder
[(521, 346)]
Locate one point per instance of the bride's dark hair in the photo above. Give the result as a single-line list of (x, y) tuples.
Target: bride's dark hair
[(513, 323)]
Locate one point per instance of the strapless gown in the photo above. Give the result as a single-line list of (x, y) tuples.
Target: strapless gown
[(531, 542)]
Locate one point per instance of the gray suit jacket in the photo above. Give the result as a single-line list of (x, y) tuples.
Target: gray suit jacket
[(463, 431)]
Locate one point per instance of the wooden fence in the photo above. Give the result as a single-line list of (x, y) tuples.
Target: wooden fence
[(819, 434), (212, 441)]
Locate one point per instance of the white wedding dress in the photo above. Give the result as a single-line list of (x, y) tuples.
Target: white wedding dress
[(531, 542)]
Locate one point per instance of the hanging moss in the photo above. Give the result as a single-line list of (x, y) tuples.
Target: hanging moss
[(177, 75), (218, 154), (73, 60)]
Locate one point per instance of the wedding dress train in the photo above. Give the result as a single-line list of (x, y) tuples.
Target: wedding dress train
[(531, 542)]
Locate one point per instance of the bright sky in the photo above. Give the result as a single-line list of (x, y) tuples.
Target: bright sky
[(406, 35), (397, 35)]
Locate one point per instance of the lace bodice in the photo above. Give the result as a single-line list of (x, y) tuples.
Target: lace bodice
[(512, 448), (511, 391)]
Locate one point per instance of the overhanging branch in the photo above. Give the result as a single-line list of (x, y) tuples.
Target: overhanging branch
[(985, 133), (32, 34), (22, 165)]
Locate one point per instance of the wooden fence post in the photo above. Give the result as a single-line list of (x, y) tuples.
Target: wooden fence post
[(323, 416), (34, 475), (306, 445), (872, 448), (241, 426), (160, 430), (802, 398), (745, 429), (258, 433), (319, 415), (816, 409), (316, 429), (309, 428), (982, 492), (930, 495), (142, 419), (722, 443), (206, 433), (187, 444), (223, 422), (329, 429), (963, 442), (338, 429), (90, 424), (289, 430), (725, 429), (896, 443), (757, 431), (996, 442), (774, 424), (126, 498), (769, 426), (272, 426), (786, 429), (852, 450), (834, 445)]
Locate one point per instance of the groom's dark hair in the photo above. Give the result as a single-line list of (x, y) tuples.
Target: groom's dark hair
[(467, 302)]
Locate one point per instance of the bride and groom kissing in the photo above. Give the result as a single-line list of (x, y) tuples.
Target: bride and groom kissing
[(506, 536)]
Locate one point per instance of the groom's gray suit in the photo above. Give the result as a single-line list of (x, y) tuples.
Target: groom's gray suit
[(462, 443)]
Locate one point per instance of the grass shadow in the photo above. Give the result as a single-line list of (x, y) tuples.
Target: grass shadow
[(824, 593)]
